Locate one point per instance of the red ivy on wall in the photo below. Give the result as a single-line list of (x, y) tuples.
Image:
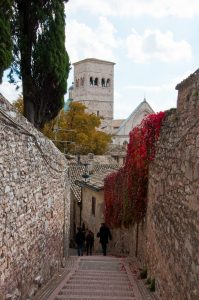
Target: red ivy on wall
[(125, 191)]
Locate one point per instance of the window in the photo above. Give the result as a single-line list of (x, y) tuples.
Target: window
[(116, 158), (96, 81), (82, 81), (91, 81), (93, 205), (103, 82), (98, 113), (108, 82)]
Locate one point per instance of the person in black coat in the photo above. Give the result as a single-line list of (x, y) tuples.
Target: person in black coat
[(80, 239), (105, 235), (89, 242)]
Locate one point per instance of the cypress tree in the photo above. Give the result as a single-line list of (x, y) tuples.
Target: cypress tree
[(40, 57), (5, 36)]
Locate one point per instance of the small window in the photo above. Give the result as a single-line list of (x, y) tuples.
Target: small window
[(93, 205), (103, 82), (116, 158), (108, 82), (91, 81), (82, 81), (98, 113), (96, 81)]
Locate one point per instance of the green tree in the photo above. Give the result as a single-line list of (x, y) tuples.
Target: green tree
[(5, 36), (79, 131), (74, 130), (40, 58)]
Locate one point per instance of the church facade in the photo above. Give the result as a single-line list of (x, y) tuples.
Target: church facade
[(121, 128)]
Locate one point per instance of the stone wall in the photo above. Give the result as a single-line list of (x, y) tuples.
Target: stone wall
[(173, 200), (34, 206), (130, 241), (168, 238)]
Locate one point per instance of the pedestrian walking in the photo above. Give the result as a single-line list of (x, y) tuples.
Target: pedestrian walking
[(80, 239), (105, 235), (89, 242)]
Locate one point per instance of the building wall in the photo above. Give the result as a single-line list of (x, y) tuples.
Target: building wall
[(130, 241), (91, 221), (173, 211), (122, 134), (97, 98), (34, 207), (168, 239)]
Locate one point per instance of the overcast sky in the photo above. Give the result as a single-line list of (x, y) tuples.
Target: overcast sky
[(154, 44)]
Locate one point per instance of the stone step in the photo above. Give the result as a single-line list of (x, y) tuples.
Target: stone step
[(101, 292), (98, 279), (97, 282), (90, 275), (97, 287), (77, 297)]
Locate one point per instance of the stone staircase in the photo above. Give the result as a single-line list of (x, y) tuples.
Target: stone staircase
[(98, 278)]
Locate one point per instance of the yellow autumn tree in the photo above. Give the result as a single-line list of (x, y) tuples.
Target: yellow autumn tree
[(75, 131)]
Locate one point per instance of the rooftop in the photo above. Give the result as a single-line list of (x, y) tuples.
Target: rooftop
[(99, 61), (96, 179)]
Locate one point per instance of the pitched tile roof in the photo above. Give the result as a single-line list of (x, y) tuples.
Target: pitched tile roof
[(96, 179)]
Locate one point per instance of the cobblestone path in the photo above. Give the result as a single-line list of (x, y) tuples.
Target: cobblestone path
[(98, 278)]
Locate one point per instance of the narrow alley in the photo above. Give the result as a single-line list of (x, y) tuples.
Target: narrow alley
[(97, 278)]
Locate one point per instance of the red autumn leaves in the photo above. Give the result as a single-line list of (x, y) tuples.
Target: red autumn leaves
[(125, 191)]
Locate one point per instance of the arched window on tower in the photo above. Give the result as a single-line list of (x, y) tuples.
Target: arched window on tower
[(108, 82), (96, 81), (103, 82), (91, 81), (82, 81)]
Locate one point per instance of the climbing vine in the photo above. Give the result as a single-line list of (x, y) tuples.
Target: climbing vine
[(125, 191)]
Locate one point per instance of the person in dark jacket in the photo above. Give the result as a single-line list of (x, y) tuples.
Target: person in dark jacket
[(89, 242), (80, 239), (105, 235)]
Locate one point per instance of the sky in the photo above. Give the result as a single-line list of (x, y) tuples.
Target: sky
[(153, 43)]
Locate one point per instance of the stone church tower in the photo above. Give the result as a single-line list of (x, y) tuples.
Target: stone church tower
[(93, 87)]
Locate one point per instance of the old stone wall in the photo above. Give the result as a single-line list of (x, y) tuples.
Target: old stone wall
[(130, 241), (173, 200), (167, 242), (34, 206)]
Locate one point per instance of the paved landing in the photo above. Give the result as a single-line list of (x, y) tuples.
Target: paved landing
[(98, 278)]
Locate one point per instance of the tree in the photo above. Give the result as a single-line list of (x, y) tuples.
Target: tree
[(40, 58), (18, 104), (78, 129), (5, 36), (74, 130)]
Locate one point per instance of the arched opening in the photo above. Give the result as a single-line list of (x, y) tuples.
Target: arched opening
[(96, 81), (82, 81), (91, 81), (108, 82), (103, 82)]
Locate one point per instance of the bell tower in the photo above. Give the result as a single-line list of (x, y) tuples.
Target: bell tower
[(93, 87)]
